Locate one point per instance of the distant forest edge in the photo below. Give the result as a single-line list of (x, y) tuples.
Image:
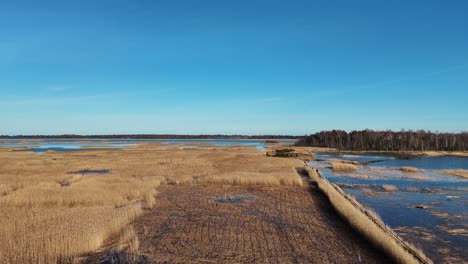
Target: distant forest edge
[(387, 140), (151, 136)]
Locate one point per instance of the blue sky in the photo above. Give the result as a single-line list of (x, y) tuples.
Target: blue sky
[(233, 67)]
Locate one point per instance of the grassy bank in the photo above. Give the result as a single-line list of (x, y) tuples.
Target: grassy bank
[(367, 223)]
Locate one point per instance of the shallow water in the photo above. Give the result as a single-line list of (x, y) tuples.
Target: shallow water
[(65, 145), (389, 160), (441, 229), (86, 172), (42, 150)]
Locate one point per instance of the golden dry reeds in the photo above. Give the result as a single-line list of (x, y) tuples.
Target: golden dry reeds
[(408, 169), (366, 223), (389, 188), (344, 161), (338, 166), (50, 235), (150, 201), (459, 173), (128, 241), (49, 214)]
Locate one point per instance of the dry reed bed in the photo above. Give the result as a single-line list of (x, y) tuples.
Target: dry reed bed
[(389, 188), (408, 169), (353, 162), (368, 223), (48, 215), (50, 235), (460, 173), (338, 166)]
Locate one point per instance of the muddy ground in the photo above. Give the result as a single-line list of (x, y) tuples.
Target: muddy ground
[(247, 224)]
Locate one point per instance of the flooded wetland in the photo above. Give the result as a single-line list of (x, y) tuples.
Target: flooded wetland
[(184, 200), (412, 195)]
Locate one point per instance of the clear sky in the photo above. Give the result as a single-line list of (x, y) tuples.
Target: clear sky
[(234, 67)]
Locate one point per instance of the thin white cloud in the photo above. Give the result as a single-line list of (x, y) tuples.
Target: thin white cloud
[(58, 88), (37, 101)]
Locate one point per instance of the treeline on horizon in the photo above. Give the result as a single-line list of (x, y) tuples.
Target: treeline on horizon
[(151, 136), (387, 140)]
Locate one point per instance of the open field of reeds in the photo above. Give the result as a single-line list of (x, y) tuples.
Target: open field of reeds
[(58, 206), (153, 203)]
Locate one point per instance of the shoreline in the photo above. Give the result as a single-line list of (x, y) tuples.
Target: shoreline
[(367, 223), (428, 153)]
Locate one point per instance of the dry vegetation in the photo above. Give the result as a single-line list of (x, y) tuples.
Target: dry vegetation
[(460, 173), (367, 223), (339, 166), (49, 215), (409, 169), (302, 153), (389, 188), (353, 162)]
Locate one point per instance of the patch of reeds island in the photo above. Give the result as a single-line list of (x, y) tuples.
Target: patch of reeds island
[(49, 214), (408, 169), (339, 166), (344, 161), (460, 173), (389, 188), (304, 154), (282, 153)]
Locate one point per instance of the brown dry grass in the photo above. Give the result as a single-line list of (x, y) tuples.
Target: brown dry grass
[(408, 169), (150, 199), (338, 166), (49, 235), (389, 188), (366, 223), (460, 173), (48, 215)]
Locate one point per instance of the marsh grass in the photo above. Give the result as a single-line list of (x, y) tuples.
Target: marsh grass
[(389, 188), (48, 215), (150, 200), (408, 169), (460, 173), (128, 241), (338, 166), (6, 189), (344, 161), (49, 235), (368, 223)]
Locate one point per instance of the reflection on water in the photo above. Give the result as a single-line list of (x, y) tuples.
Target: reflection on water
[(440, 228)]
